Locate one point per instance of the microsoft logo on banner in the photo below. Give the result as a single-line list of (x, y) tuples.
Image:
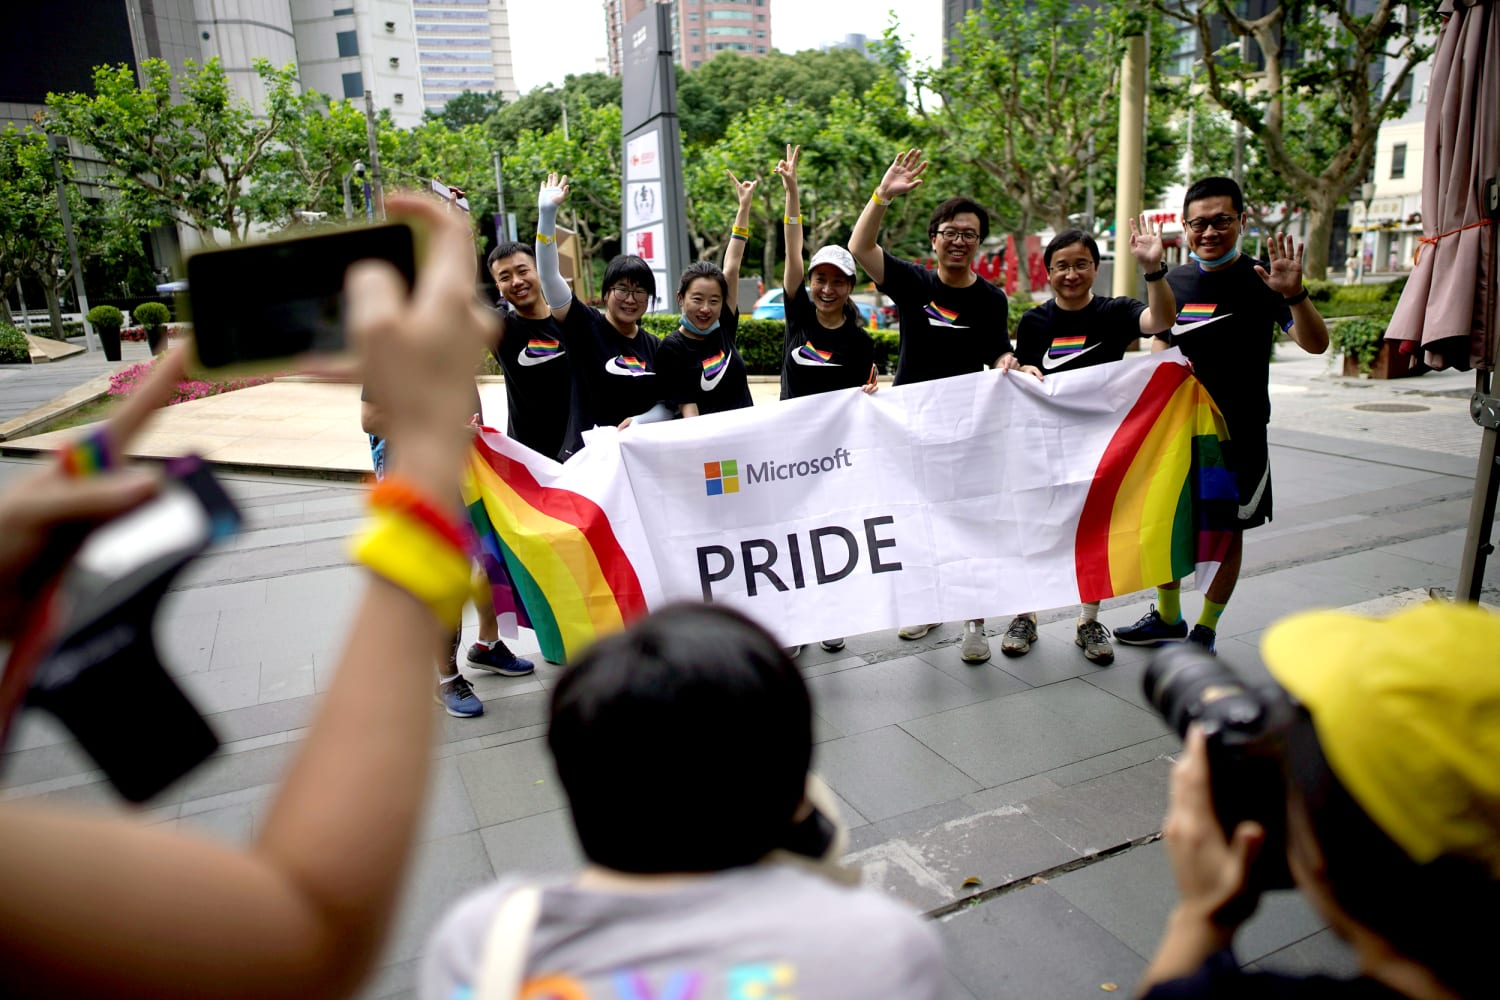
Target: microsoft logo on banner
[(721, 477)]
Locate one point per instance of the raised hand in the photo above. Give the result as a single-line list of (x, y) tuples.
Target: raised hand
[(742, 189), (1285, 275), (903, 175), (1145, 243), (787, 169), (554, 189)]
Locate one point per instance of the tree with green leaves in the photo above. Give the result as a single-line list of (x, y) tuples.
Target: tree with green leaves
[(185, 158), (33, 243), (309, 166), (591, 154), (541, 108), (468, 108), (1312, 102), (1031, 97)]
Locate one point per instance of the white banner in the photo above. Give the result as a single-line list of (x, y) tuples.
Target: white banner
[(984, 495)]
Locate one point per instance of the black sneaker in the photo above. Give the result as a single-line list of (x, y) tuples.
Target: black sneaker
[(832, 645), (1201, 635), (1152, 631), (497, 659)]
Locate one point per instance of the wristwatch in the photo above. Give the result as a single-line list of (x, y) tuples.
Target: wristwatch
[(1158, 274)]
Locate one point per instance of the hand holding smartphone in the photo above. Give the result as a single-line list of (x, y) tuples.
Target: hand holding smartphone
[(259, 304)]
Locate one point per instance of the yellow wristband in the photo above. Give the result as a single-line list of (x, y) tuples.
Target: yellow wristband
[(742, 231), (544, 238), (875, 197), (792, 220), (418, 560)]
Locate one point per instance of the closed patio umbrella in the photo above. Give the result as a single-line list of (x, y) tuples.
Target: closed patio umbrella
[(1450, 309)]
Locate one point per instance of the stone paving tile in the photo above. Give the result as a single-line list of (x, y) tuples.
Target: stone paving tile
[(886, 772), (544, 844), (510, 782), (1034, 731), (1323, 953), (442, 872), (879, 694), (1034, 943)]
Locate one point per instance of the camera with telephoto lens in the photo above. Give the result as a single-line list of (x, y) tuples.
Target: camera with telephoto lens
[(1245, 729)]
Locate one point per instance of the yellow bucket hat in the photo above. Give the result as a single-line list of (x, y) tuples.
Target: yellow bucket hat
[(1407, 710)]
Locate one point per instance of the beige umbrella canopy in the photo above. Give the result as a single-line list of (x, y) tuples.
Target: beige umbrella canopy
[(1450, 305)]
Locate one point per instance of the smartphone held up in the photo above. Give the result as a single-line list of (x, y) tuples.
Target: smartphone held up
[(260, 305)]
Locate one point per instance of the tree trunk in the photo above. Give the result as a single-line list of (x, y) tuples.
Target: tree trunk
[(54, 308), (1319, 228), (768, 252), (1023, 266), (5, 314)]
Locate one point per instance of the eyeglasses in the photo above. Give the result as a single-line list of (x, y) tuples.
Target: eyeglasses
[(959, 235), (628, 294), (1078, 268), (1220, 223)]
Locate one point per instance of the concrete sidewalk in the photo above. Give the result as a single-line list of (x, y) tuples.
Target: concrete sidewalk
[(1043, 777)]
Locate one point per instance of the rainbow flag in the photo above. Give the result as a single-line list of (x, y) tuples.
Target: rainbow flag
[(1195, 311), (1067, 345), (1162, 503), (550, 554), (942, 315), (712, 366), (807, 350)]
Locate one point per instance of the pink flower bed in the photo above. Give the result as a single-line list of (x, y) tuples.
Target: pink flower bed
[(124, 382), (174, 330)]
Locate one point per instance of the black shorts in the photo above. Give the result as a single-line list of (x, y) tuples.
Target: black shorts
[(1249, 462)]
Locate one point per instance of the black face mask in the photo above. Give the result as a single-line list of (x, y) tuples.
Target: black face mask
[(99, 670)]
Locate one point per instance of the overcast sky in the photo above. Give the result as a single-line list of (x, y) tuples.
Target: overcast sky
[(551, 39)]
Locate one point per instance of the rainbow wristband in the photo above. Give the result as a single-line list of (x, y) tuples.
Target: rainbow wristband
[(395, 494), (410, 555), (89, 456), (741, 231)]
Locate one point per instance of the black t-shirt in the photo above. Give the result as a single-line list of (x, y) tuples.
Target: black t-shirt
[(1226, 323), (944, 331), (1056, 339), (538, 382), (816, 359), (614, 376), (1221, 978), (707, 371)]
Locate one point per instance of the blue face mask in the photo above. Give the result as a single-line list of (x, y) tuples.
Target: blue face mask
[(687, 325), (1217, 261)]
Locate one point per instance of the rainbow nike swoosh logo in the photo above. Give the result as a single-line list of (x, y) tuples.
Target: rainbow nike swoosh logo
[(940, 316), (539, 352), (622, 364), (810, 356), (713, 372)]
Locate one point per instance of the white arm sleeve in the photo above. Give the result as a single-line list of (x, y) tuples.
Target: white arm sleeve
[(553, 286), (655, 415)]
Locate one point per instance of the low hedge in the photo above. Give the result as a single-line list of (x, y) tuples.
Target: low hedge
[(13, 347)]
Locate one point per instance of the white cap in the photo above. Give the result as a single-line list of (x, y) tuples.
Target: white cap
[(835, 255)]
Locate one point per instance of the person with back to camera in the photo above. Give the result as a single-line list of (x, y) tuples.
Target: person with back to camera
[(105, 905), (952, 320), (1392, 790), (826, 347), (683, 745), (613, 356), (698, 365)]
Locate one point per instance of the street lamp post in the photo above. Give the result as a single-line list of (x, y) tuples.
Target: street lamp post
[(59, 148), (1366, 195)]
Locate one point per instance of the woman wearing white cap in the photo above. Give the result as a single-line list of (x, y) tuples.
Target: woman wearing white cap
[(826, 346)]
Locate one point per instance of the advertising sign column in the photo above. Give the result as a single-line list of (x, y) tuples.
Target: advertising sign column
[(654, 212)]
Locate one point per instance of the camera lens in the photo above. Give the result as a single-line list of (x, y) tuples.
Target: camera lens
[(1181, 681)]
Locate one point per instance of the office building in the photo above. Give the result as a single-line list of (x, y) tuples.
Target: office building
[(463, 45), (701, 29)]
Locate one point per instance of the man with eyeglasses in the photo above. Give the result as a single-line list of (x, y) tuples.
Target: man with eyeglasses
[(952, 320), (1228, 308), (1079, 329)]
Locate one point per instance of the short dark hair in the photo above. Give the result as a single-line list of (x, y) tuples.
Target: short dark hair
[(1214, 187), (1067, 238), (956, 206), (682, 743), (509, 249), (628, 267), (702, 269)]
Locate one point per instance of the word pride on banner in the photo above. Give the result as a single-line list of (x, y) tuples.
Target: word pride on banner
[(982, 495)]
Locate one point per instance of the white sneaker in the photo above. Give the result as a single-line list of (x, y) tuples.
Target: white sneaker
[(975, 648), (917, 631)]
